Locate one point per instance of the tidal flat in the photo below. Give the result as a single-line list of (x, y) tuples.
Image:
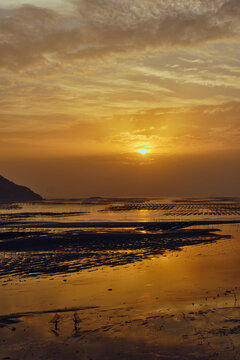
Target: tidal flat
[(104, 278)]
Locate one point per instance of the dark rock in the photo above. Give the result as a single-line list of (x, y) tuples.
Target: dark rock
[(11, 192)]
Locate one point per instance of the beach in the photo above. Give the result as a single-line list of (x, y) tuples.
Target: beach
[(120, 279)]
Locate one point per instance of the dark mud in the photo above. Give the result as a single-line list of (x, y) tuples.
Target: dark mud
[(26, 215), (158, 225), (93, 200), (27, 253)]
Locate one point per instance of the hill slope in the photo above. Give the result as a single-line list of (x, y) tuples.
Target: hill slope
[(12, 192)]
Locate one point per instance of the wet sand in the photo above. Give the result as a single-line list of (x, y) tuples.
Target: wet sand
[(150, 290), (31, 253)]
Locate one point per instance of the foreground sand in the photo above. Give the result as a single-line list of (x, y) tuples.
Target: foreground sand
[(115, 334)]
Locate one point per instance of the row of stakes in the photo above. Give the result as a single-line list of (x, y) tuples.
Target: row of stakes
[(55, 320)]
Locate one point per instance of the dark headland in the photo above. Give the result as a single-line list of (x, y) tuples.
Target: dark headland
[(10, 192)]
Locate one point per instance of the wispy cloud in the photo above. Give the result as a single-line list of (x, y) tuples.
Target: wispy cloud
[(189, 75), (100, 28)]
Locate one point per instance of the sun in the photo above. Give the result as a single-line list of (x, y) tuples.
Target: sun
[(142, 151)]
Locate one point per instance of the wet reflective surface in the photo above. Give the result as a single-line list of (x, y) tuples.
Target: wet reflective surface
[(121, 209), (178, 302)]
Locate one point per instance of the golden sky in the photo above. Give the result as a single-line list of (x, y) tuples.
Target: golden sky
[(92, 79)]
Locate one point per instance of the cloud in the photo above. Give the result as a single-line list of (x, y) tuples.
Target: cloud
[(175, 130), (183, 130), (191, 76), (100, 28)]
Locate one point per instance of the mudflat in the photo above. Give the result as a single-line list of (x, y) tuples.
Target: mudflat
[(96, 286)]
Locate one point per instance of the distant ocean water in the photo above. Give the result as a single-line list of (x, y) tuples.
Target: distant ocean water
[(121, 210)]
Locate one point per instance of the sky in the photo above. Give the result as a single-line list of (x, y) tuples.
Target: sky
[(84, 84)]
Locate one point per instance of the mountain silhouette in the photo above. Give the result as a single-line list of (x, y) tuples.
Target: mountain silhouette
[(12, 192)]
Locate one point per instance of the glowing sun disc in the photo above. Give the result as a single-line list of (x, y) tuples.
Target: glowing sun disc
[(142, 151)]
